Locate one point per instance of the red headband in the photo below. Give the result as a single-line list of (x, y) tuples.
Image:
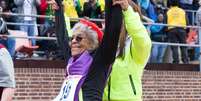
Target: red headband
[(93, 27)]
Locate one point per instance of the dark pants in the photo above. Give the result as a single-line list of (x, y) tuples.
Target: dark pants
[(178, 35)]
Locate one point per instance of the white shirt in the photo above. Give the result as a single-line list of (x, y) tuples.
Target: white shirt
[(27, 9)]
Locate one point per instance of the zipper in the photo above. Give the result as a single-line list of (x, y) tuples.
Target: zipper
[(132, 85)]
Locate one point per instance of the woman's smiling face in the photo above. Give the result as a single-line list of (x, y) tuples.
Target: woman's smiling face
[(78, 43), (84, 38)]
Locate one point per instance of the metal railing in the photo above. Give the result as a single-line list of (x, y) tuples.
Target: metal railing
[(30, 37)]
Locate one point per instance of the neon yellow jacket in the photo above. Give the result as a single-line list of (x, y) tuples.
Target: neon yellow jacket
[(69, 8), (102, 4), (125, 78), (176, 16)]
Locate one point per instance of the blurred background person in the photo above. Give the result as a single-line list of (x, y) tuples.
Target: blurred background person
[(28, 7), (45, 9), (7, 79), (92, 9), (177, 16), (8, 42), (7, 17), (158, 35)]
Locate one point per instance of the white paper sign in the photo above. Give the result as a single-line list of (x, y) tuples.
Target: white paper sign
[(68, 88)]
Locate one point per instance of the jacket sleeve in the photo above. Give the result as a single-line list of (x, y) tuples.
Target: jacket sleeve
[(106, 53), (18, 2), (141, 42), (61, 32)]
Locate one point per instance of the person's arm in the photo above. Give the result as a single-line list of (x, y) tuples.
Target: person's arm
[(61, 32), (94, 84), (106, 53), (141, 42)]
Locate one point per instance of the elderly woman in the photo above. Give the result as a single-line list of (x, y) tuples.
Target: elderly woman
[(86, 38), (7, 80), (91, 56)]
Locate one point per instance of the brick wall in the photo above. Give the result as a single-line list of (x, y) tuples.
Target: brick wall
[(172, 86), (40, 81), (37, 84)]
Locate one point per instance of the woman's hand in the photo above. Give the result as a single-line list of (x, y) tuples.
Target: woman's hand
[(123, 3), (53, 4)]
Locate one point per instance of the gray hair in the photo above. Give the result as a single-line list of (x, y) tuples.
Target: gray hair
[(91, 34)]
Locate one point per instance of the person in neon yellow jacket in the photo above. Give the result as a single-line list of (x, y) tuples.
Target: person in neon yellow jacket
[(69, 8), (124, 83), (74, 8), (80, 3), (102, 4), (69, 12)]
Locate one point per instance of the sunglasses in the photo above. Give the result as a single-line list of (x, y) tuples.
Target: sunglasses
[(77, 38)]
